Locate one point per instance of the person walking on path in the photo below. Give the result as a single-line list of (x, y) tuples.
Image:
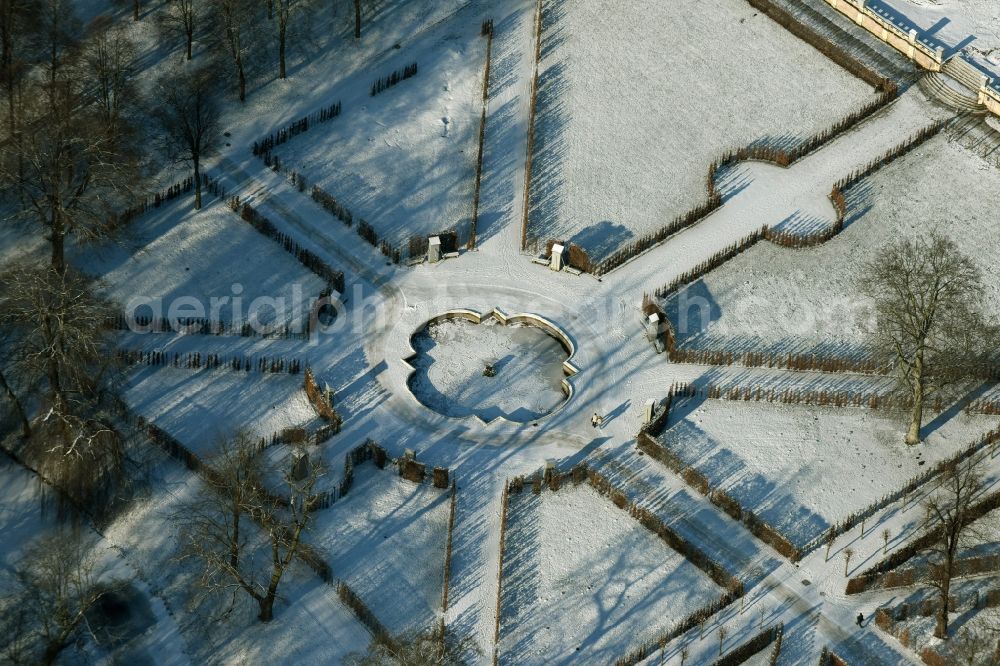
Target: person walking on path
[(596, 420), (861, 618)]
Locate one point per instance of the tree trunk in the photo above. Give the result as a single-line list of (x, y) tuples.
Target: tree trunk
[(135, 10), (58, 239), (281, 48), (18, 407), (357, 19), (270, 9), (234, 545), (196, 161), (190, 39), (941, 629), (243, 81), (266, 608), (916, 417)]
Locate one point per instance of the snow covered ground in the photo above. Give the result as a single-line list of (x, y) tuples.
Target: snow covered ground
[(386, 538), (200, 406), (624, 136), (176, 259), (585, 583), (802, 469), (639, 123), (807, 300), (405, 159), (311, 625), (451, 358)]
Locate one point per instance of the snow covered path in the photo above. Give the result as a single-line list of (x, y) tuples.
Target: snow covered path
[(758, 194)]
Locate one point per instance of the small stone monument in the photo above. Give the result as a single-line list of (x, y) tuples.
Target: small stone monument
[(300, 465), (434, 249), (556, 262), (648, 410)]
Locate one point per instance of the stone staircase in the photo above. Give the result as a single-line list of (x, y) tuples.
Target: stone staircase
[(949, 92), (964, 73)]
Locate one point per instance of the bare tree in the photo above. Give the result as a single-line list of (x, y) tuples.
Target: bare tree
[(15, 32), (215, 533), (57, 31), (286, 9), (189, 115), (426, 648), (108, 68), (134, 5), (926, 296), (948, 517), (179, 20), (357, 19), (235, 20), (58, 588), (16, 404), (64, 170), (57, 331)]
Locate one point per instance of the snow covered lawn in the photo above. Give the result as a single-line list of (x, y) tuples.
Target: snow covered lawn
[(585, 583), (404, 160), (803, 468), (200, 406), (175, 252), (310, 626), (386, 538), (805, 300), (625, 135)]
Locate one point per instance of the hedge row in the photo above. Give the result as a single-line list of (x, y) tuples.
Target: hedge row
[(389, 80), (197, 361), (679, 223), (487, 32), (713, 262), (369, 450), (204, 326), (334, 278), (756, 644), (532, 110), (447, 548), (363, 613), (872, 577), (322, 400), (682, 626), (817, 40), (263, 147), (905, 577), (893, 154), (504, 505), (363, 229)]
